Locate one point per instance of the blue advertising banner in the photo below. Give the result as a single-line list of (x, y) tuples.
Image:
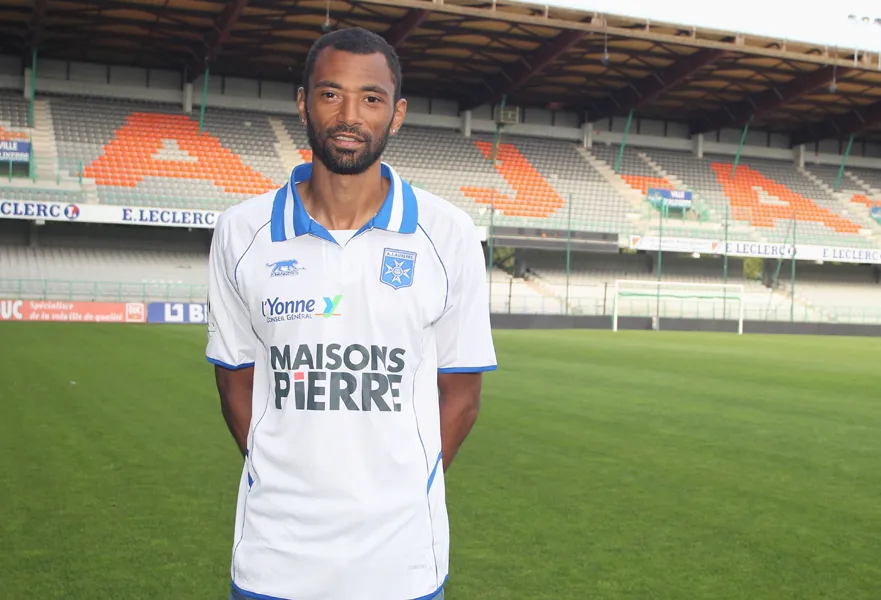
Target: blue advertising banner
[(669, 198), (13, 151), (177, 312)]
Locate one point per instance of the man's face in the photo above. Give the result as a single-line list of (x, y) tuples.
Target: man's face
[(350, 110)]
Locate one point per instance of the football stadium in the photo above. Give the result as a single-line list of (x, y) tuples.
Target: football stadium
[(682, 234)]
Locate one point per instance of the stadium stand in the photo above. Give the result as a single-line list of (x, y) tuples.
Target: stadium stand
[(763, 194), (592, 279), (32, 194), (152, 154), (870, 179), (531, 183), (13, 113), (551, 173), (843, 293), (99, 274), (104, 264)]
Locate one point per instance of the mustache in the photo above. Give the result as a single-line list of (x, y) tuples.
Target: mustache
[(343, 128)]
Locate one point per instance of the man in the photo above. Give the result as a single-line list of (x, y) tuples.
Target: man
[(349, 326)]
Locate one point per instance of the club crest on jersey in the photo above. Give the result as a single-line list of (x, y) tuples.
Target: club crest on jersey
[(283, 268), (397, 268)]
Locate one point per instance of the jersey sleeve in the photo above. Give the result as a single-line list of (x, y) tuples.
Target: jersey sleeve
[(232, 342), (463, 332)]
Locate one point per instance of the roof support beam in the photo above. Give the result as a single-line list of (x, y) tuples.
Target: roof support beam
[(848, 124), (769, 100), (646, 90), (225, 22), (400, 31), (515, 75)]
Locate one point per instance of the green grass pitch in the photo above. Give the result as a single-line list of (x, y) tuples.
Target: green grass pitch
[(634, 465)]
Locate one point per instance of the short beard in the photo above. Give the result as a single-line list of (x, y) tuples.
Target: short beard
[(346, 162)]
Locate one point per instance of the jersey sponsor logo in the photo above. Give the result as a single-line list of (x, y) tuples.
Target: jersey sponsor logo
[(397, 268), (331, 377), (276, 310), (283, 268)]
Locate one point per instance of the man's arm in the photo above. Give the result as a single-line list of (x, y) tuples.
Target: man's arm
[(235, 389), (459, 405)]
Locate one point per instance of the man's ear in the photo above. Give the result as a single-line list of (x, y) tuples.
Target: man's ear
[(400, 113), (301, 104)]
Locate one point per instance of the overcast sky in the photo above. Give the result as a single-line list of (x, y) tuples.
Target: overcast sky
[(820, 21)]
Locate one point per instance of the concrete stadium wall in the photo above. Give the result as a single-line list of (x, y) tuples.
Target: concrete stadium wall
[(503, 321)]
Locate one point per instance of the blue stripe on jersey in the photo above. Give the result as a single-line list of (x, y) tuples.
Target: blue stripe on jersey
[(302, 221), (384, 216), (277, 220), (468, 369), (411, 209), (434, 470), (304, 224), (235, 271), (446, 276)]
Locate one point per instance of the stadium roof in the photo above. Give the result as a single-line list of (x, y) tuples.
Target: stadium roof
[(474, 52)]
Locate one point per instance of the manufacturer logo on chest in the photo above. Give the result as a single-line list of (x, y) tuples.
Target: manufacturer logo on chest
[(283, 268)]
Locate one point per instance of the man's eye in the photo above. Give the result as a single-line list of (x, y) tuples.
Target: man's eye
[(328, 94), (373, 99)]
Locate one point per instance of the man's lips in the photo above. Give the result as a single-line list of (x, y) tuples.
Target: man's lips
[(346, 140)]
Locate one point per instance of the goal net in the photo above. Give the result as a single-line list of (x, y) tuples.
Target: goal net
[(668, 299)]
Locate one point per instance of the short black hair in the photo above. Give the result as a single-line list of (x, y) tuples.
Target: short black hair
[(356, 40)]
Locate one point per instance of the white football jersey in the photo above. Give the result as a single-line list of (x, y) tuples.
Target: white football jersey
[(342, 490)]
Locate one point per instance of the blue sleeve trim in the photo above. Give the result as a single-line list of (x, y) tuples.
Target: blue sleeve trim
[(248, 594), (435, 592), (220, 363), (468, 369)]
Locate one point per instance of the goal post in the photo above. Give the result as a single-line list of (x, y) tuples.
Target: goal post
[(694, 300)]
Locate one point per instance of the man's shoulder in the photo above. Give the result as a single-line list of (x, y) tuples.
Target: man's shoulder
[(243, 220), (439, 217)]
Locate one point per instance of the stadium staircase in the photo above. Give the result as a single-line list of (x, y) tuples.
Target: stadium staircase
[(864, 185), (617, 183), (850, 202), (43, 143), (285, 146), (542, 288)]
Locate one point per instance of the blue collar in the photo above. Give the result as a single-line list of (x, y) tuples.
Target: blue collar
[(399, 213)]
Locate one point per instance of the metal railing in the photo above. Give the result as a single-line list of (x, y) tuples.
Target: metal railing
[(583, 300), (101, 291)]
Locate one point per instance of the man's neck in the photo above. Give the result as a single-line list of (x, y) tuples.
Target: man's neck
[(343, 201)]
